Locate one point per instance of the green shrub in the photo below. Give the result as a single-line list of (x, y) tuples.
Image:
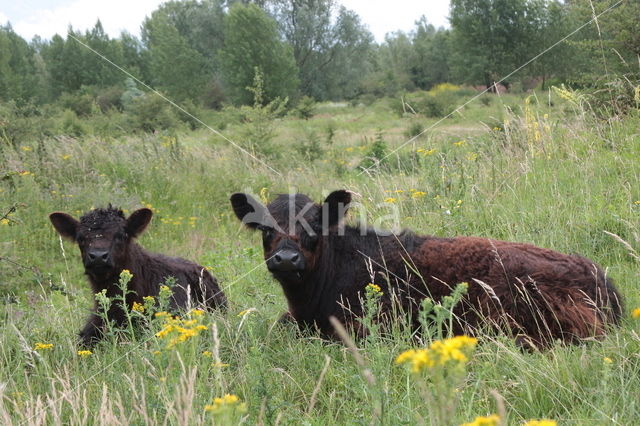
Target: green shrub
[(305, 107), (82, 104), (150, 113), (110, 99), (71, 124), (416, 128), (376, 154)]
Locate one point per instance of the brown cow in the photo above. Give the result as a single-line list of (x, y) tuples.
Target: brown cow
[(107, 245), (536, 294)]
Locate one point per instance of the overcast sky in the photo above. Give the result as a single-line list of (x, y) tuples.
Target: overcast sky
[(48, 17)]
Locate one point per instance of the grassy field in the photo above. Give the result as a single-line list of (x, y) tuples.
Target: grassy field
[(515, 169)]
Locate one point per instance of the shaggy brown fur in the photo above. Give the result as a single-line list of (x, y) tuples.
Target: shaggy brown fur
[(521, 289), (107, 246)]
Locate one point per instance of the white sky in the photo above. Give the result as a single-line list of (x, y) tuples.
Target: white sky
[(46, 18)]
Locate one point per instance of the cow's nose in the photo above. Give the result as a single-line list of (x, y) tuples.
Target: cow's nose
[(98, 257), (287, 260)]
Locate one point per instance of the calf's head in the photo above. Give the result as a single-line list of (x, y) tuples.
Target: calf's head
[(103, 236), (292, 226)]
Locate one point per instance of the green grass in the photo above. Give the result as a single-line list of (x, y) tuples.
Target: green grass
[(561, 189)]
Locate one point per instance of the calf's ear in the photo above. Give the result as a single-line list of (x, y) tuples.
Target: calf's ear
[(138, 221), (65, 224), (250, 211), (335, 207)]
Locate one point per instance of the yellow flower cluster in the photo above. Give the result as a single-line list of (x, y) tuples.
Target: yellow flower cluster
[(453, 351), (43, 346), (227, 402), (635, 313), (374, 288), (542, 422), (177, 330), (492, 420), (85, 353), (4, 222), (137, 307), (126, 275), (426, 152), (390, 200)]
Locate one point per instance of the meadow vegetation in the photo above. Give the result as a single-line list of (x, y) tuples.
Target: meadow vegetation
[(540, 167)]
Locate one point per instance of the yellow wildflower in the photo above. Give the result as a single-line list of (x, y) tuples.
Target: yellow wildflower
[(126, 275), (637, 203), (43, 346), (441, 352), (85, 353), (635, 313), (227, 402), (219, 365), (208, 354), (418, 194), (137, 307), (374, 288), (197, 312), (390, 200), (66, 156), (24, 173), (541, 422), (492, 420), (460, 143), (607, 360), (26, 148), (4, 222)]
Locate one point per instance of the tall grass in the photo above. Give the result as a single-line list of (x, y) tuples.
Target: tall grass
[(548, 175)]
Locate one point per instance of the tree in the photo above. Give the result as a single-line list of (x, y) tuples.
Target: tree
[(252, 41), (492, 38), (18, 79), (331, 47), (430, 65), (174, 66)]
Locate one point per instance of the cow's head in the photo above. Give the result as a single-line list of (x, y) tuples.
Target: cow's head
[(292, 227), (103, 236)]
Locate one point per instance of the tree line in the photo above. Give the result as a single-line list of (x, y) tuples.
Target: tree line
[(207, 52)]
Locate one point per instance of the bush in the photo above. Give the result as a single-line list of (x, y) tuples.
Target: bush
[(310, 147), (376, 154), (305, 108), (416, 128), (110, 99), (82, 104), (150, 113), (71, 125)]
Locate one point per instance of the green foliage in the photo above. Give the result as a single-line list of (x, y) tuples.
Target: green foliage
[(252, 41), (150, 112), (376, 154), (260, 128), (415, 128), (330, 45), (82, 104), (310, 147), (71, 125), (177, 68), (110, 98), (304, 107)]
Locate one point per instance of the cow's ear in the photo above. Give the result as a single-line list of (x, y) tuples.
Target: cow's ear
[(66, 225), (250, 211), (138, 221), (335, 207)]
